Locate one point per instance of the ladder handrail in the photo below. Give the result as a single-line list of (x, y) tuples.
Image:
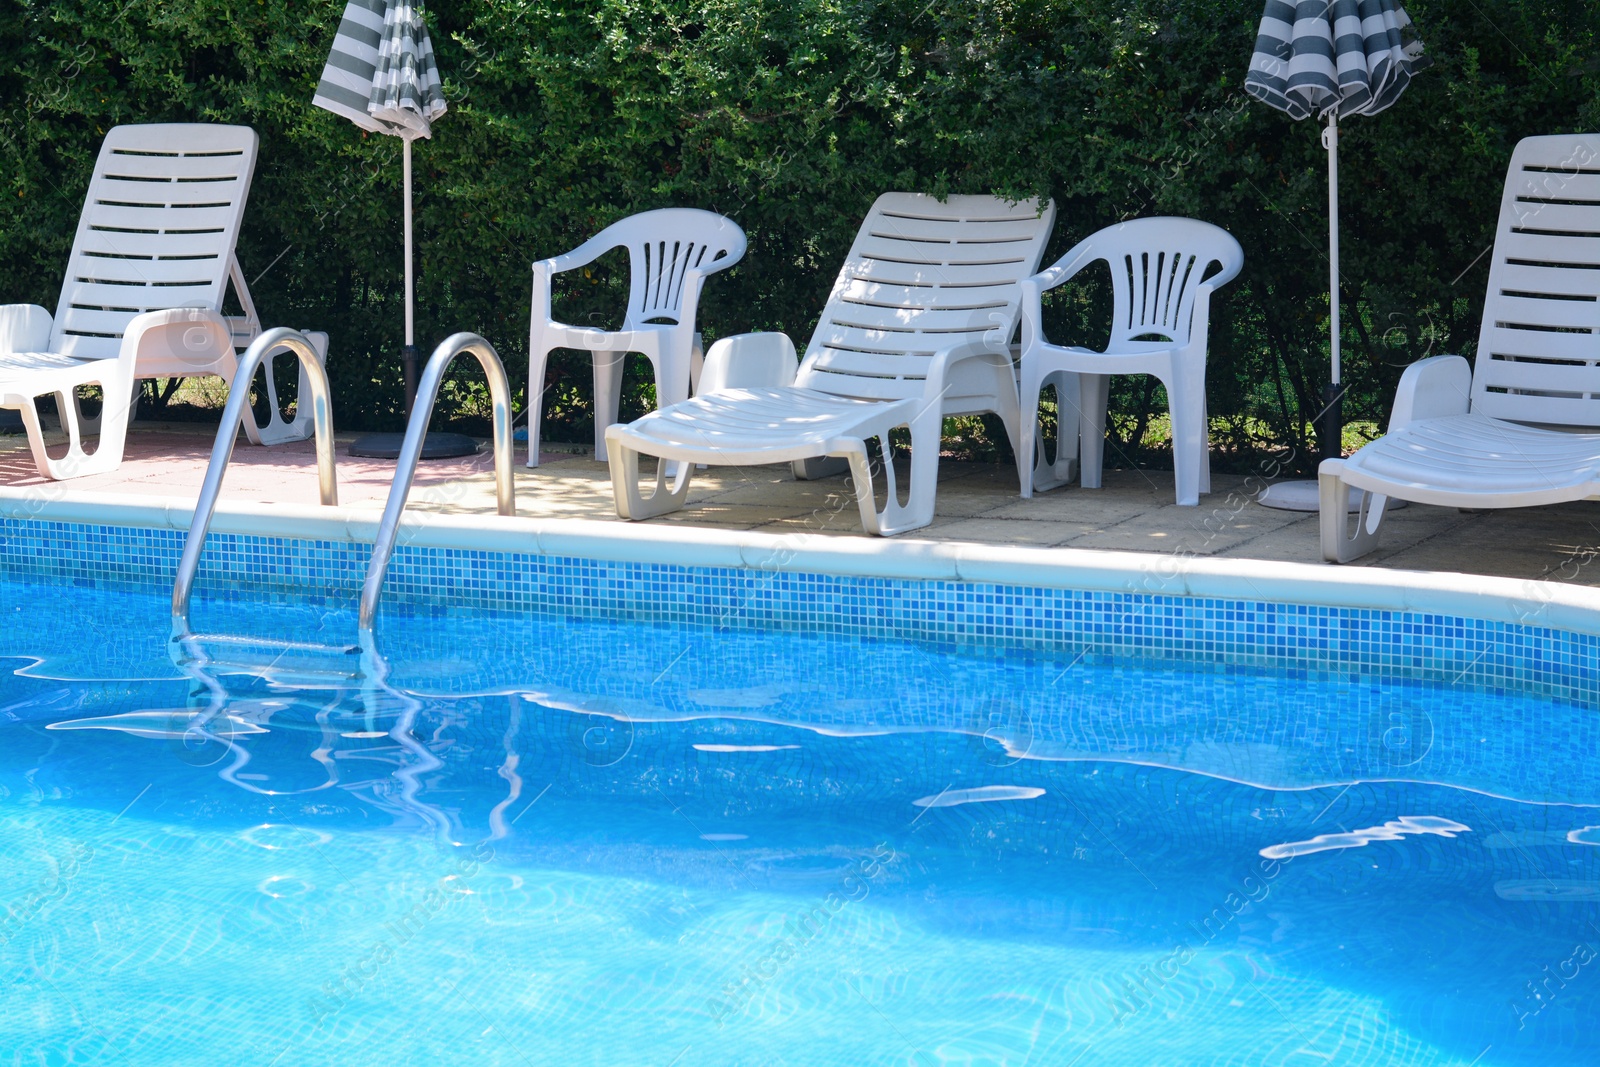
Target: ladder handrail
[(221, 452), (411, 450)]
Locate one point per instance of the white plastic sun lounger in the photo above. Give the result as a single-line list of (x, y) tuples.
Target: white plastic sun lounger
[(142, 297), (1505, 434), (917, 328)]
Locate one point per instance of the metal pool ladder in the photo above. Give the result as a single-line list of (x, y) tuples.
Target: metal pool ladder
[(411, 451), (322, 422), (232, 415)]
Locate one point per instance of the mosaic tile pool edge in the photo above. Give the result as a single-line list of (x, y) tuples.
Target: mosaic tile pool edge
[(1101, 626)]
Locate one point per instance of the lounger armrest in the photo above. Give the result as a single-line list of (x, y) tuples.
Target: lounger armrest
[(946, 358), (749, 361), (1432, 388), (196, 336), (24, 328)]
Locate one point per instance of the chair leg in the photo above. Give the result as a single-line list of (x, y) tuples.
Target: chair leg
[(1030, 446), (926, 430), (30, 423), (607, 396), (279, 431), (1093, 390), (855, 459), (113, 427), (667, 496), (538, 357), (1342, 542), (88, 424), (1064, 467), (697, 362), (1186, 400), (677, 368), (228, 371)]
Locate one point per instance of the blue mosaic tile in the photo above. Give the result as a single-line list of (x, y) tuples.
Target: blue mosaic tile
[(1102, 627)]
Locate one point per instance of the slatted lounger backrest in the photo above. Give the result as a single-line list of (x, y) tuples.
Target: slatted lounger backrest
[(1539, 347), (922, 276), (158, 230)]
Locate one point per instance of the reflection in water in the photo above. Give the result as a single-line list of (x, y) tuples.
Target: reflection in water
[(341, 695), (952, 797), (1393, 830)]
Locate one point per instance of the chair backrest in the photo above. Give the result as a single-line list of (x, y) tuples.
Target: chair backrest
[(1539, 346), (158, 230), (663, 245), (923, 275), (1157, 266)]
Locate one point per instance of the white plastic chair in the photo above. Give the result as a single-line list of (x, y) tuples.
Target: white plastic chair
[(157, 231), (917, 328), (670, 253), (1161, 313), (1502, 434)]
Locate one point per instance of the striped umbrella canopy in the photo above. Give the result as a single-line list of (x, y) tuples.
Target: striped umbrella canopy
[(381, 73), (382, 76), (1333, 59), (1345, 57)]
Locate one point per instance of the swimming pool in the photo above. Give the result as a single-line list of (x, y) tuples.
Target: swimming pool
[(720, 834)]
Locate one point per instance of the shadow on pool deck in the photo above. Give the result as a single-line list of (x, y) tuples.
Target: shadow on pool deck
[(977, 503)]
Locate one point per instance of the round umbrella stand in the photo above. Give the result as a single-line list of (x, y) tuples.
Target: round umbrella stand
[(434, 446)]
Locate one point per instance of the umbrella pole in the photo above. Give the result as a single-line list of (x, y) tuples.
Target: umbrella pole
[(408, 354), (1330, 420)]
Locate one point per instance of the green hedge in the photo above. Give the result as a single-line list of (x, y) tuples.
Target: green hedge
[(791, 117)]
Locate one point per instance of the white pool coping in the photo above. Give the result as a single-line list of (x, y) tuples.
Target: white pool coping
[(1525, 601)]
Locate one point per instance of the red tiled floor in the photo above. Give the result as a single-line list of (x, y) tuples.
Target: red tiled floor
[(171, 462)]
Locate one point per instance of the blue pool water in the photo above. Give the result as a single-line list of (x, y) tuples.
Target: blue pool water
[(544, 841)]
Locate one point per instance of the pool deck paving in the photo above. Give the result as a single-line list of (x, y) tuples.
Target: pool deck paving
[(977, 503)]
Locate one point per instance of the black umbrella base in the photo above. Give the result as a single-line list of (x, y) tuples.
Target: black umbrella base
[(434, 446)]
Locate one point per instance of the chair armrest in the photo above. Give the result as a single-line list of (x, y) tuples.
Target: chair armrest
[(1200, 317), (582, 256), (749, 361), (724, 263), (546, 269), (1032, 312), (1058, 273), (198, 337), (1432, 388), (689, 306), (1061, 271), (24, 328)]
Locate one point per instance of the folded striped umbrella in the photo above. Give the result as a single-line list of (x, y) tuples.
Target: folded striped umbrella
[(1332, 59), (1343, 56), (382, 76), (381, 73)]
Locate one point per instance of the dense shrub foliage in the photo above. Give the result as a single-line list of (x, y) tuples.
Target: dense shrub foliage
[(790, 117)]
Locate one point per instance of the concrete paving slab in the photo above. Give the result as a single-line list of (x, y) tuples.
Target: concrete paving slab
[(978, 503)]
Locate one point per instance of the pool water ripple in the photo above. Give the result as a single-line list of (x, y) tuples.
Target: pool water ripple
[(786, 851)]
